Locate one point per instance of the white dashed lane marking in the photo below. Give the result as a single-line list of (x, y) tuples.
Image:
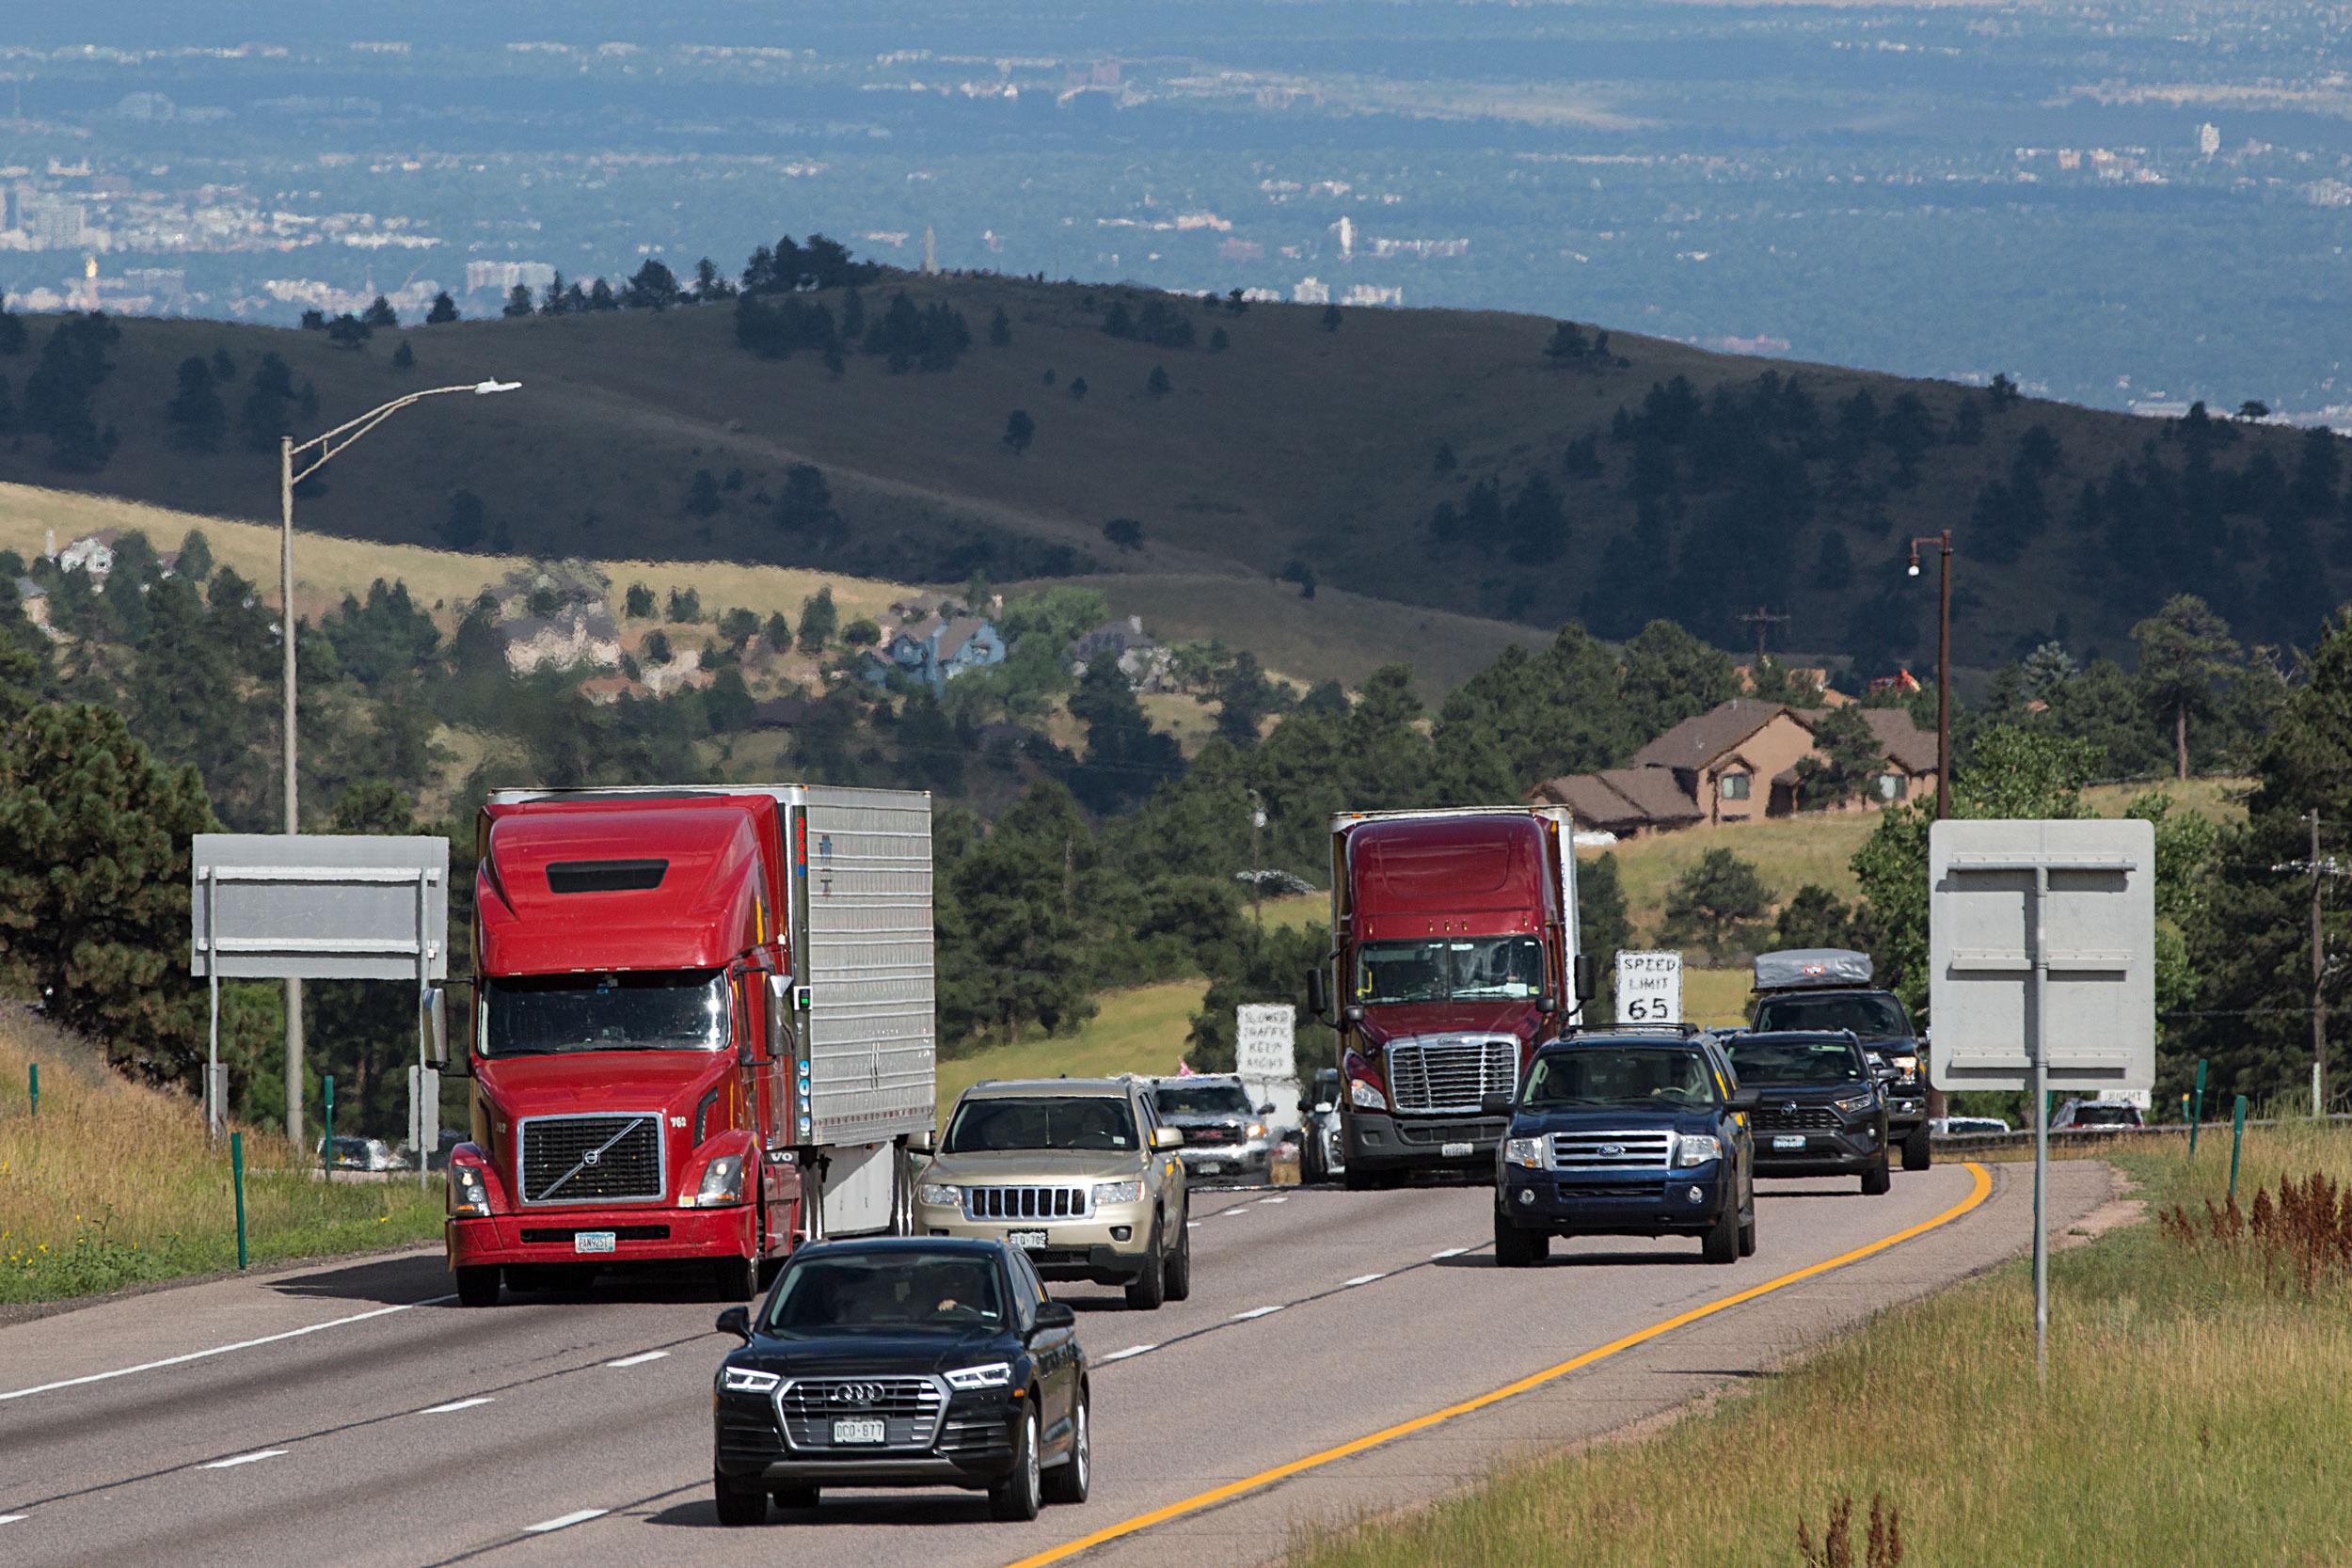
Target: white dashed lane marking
[(221, 1350), (455, 1404), (1365, 1278), (639, 1359), (1257, 1312), (245, 1459), (1450, 1252), (564, 1520), (11, 1518), (1131, 1349)]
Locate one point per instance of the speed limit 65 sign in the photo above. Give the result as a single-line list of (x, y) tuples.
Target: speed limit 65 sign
[(1649, 988)]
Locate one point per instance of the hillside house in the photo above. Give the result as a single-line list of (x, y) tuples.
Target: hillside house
[(583, 634), (569, 582), (1147, 666), (93, 553), (605, 690), (936, 650), (1736, 763), (683, 673)]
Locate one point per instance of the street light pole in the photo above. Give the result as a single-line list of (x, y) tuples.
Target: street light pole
[(1943, 542), (318, 452)]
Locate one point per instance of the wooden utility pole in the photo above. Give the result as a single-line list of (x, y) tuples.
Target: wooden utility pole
[(1763, 620)]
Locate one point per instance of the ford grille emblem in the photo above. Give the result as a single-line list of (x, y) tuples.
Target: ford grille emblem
[(855, 1393), (1610, 1151)]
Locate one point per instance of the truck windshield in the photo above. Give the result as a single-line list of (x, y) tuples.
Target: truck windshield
[(1873, 1015), (998, 1125), (1797, 1062), (1449, 969), (541, 1014), (1608, 1075)]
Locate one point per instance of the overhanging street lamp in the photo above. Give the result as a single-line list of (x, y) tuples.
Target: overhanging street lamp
[(1942, 542), (316, 454)]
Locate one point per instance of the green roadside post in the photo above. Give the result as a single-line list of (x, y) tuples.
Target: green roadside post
[(2237, 1134), (326, 1144), (236, 1172), (33, 1068), (2195, 1105)]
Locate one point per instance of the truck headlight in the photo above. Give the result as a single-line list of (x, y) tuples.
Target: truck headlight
[(938, 1194), (1697, 1149), (1526, 1152), (1255, 1130), (1363, 1093), (723, 1182), (995, 1374), (1857, 1104), (1109, 1192), (746, 1380), (469, 1194)]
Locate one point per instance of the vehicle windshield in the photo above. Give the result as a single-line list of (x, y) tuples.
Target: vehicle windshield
[(1797, 1062), (541, 1014), (2106, 1116), (893, 1292), (1208, 1099), (1610, 1075), (998, 1125), (1449, 969), (1873, 1015)]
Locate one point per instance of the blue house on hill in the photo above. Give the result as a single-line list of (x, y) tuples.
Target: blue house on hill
[(936, 649)]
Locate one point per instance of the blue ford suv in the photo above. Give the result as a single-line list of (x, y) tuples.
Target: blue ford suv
[(1624, 1133)]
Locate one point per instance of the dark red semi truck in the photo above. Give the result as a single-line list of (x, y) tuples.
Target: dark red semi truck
[(702, 1029), (1454, 955)]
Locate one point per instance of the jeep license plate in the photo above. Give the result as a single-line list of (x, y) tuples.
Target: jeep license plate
[(1789, 1141), (860, 1429), (1207, 1167), (1458, 1152), (592, 1240), (1025, 1238)]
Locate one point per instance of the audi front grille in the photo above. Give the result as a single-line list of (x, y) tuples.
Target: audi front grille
[(907, 1407)]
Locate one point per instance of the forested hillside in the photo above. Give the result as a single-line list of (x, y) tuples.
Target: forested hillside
[(818, 410)]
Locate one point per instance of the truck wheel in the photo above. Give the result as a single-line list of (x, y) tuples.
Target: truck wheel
[(478, 1285), (740, 1502), (1147, 1290), (1720, 1244), (736, 1278), (1515, 1248), (1176, 1274), (1917, 1154), (1877, 1182)]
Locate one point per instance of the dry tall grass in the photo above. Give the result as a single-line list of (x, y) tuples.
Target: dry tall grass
[(2196, 1413), (113, 1184)]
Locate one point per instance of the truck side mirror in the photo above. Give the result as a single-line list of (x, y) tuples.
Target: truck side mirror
[(436, 1025), (1744, 1100), (1587, 987), (1354, 1013), (1317, 1003), (779, 1006)]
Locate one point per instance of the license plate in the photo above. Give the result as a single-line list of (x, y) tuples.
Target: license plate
[(592, 1240), (1458, 1152), (1789, 1142), (1207, 1167), (860, 1429), (1025, 1238)]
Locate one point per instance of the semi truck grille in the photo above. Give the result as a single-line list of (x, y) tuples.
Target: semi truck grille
[(1791, 1118), (589, 1159), (1631, 1151), (907, 1407), (1027, 1203), (1452, 1075)]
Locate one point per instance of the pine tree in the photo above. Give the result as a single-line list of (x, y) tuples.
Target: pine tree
[(380, 313), (197, 416), (1156, 383), (1020, 430), (702, 494), (2185, 653), (444, 311), (1330, 318), (404, 357), (819, 618), (518, 301), (999, 329)]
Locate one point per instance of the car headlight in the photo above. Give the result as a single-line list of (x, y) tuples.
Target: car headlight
[(1697, 1149), (1528, 1152), (1366, 1094), (747, 1380), (1109, 1192), (1908, 1064), (938, 1194), (723, 1182), (1857, 1103), (995, 1374), (469, 1194), (1255, 1130)]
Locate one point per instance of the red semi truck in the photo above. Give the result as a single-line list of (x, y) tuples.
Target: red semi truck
[(702, 1029), (1455, 955)]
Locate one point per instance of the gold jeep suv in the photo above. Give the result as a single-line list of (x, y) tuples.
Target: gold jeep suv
[(1076, 1172)]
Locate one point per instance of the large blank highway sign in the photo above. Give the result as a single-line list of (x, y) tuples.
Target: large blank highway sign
[(2089, 957), (319, 907)]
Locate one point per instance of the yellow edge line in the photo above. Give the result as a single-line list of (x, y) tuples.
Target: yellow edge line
[(1982, 1189)]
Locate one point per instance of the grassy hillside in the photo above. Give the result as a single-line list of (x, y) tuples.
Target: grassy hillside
[(1136, 1031), (1296, 442), (113, 1184)]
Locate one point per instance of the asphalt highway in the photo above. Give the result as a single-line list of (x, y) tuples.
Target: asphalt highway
[(355, 1415)]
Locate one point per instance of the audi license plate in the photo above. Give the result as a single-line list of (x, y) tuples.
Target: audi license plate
[(1458, 1152), (592, 1240), (1789, 1141), (1025, 1238), (860, 1429)]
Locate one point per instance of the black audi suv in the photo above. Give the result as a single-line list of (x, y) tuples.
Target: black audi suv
[(916, 1361)]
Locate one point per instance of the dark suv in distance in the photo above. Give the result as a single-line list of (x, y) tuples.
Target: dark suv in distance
[(1624, 1133), (1821, 1109), (912, 1361)]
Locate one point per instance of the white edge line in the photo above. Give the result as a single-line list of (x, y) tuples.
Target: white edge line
[(455, 1404), (1258, 1313), (11, 1518), (219, 1349), (245, 1459), (639, 1359), (565, 1520), (1450, 1252), (1131, 1349), (1364, 1278)]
